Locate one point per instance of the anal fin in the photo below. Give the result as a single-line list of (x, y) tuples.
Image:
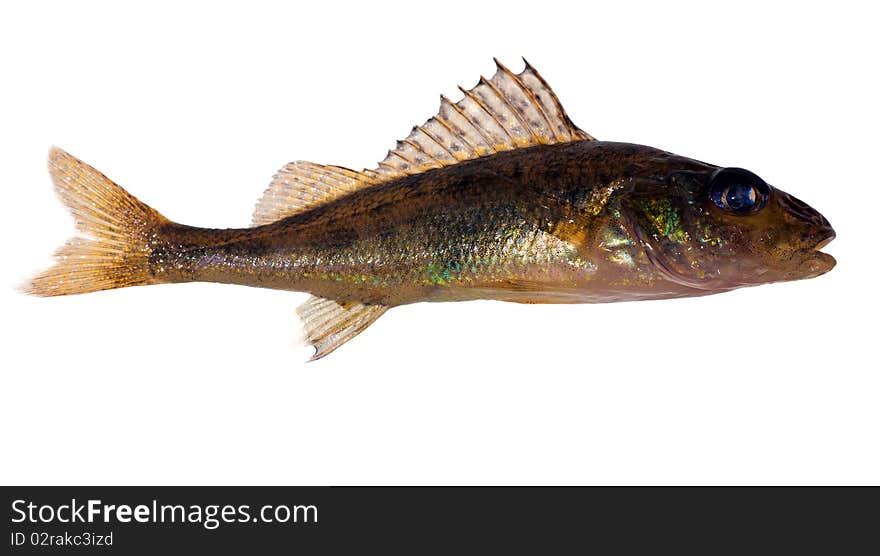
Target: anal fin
[(328, 324)]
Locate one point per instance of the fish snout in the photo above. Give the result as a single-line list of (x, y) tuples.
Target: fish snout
[(816, 230), (810, 232), (803, 212)]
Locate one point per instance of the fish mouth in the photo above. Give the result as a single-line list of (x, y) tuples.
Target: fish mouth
[(829, 237), (817, 261)]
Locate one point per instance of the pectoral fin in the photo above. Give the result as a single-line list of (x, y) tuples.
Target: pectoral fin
[(328, 324)]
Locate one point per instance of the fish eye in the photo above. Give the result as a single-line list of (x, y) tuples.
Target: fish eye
[(738, 191)]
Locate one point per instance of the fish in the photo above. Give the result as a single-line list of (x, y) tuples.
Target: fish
[(498, 196)]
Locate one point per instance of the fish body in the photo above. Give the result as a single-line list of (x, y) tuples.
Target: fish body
[(539, 224), (498, 197)]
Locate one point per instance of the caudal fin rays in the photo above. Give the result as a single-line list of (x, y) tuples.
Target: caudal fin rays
[(116, 233)]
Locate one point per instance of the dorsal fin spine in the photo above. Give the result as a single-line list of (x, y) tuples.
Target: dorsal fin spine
[(442, 121), (391, 168), (579, 132), (531, 96), (396, 152), (476, 128), (419, 148), (471, 95), (434, 138), (474, 124), (512, 109)]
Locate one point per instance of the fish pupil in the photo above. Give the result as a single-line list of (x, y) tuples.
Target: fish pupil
[(740, 196)]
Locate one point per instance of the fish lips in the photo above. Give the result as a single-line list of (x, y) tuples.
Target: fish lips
[(814, 261), (817, 262)]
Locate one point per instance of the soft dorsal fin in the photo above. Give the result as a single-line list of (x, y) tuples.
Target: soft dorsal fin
[(328, 324), (506, 112), (302, 185)]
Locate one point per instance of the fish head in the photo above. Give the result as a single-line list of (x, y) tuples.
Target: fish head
[(717, 228)]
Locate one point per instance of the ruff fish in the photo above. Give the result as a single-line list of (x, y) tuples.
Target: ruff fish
[(499, 196)]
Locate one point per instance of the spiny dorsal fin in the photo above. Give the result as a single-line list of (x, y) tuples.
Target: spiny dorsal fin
[(303, 185), (506, 112), (328, 324)]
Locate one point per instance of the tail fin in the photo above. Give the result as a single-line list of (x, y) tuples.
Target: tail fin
[(117, 233)]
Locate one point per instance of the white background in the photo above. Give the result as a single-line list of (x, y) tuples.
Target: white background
[(192, 107)]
